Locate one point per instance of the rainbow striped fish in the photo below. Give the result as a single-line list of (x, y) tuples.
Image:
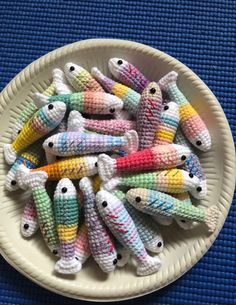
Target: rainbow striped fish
[(149, 115), (29, 220), (66, 217), (130, 97), (80, 79), (154, 203), (191, 123), (127, 74), (101, 244), (123, 228), (43, 121)]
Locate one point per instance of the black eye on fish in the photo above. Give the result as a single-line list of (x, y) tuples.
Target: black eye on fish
[(152, 90), (115, 261), (190, 175), (104, 204), (159, 244), (112, 110), (120, 62), (199, 189), (198, 143), (50, 106), (13, 182), (19, 131), (50, 144), (119, 256), (26, 226), (183, 157), (138, 199), (72, 68), (64, 190), (54, 252), (96, 164), (166, 107)]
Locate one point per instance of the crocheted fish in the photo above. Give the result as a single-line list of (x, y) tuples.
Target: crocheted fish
[(109, 127), (80, 79), (82, 249), (29, 220), (85, 102), (193, 166), (149, 115), (130, 97), (43, 121), (157, 157), (28, 112), (101, 244), (76, 143), (154, 202), (31, 158), (128, 74), (73, 168), (147, 230), (123, 228), (166, 130), (191, 123), (60, 82), (169, 181), (66, 216), (36, 183)]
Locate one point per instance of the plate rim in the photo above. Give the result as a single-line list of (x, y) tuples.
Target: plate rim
[(227, 189)]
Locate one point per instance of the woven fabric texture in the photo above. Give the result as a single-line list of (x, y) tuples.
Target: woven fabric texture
[(201, 34)]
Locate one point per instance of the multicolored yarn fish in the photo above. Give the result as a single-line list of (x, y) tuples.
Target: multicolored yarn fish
[(73, 168), (193, 166), (123, 228), (127, 74), (43, 121), (85, 102), (66, 216), (29, 221), (147, 230), (170, 181), (149, 115), (166, 130), (191, 123), (157, 157), (101, 244), (82, 249), (109, 127), (28, 112), (154, 202), (31, 158), (76, 143), (130, 97), (80, 79), (60, 83), (36, 183)]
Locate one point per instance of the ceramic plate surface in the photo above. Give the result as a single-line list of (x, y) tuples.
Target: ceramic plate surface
[(182, 248)]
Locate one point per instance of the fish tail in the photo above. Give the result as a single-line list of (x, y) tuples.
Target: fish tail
[(21, 172), (150, 266), (156, 244), (211, 218), (106, 167), (26, 179), (167, 80), (40, 100), (75, 121), (9, 154), (131, 141), (65, 266), (111, 184), (60, 83)]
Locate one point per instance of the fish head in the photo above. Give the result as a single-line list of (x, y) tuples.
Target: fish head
[(55, 143), (200, 190), (116, 65), (53, 114), (152, 93), (112, 104), (138, 197), (107, 202), (72, 71), (191, 180), (202, 140), (11, 180), (170, 111), (65, 190), (182, 153)]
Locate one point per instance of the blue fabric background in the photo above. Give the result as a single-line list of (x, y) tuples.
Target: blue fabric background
[(201, 34)]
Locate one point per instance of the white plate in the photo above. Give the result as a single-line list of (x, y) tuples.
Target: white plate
[(182, 249)]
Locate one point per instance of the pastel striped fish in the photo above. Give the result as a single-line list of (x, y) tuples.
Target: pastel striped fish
[(85, 102), (157, 157), (43, 121), (66, 216), (101, 244), (169, 122), (123, 228), (147, 230), (77, 143), (191, 123), (30, 157), (168, 181), (130, 97), (108, 127), (127, 74), (73, 168), (28, 112), (80, 79), (29, 220), (36, 183), (154, 203), (82, 249), (193, 166), (149, 115), (60, 82)]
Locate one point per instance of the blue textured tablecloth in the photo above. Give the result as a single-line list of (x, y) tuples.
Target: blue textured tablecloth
[(201, 34)]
